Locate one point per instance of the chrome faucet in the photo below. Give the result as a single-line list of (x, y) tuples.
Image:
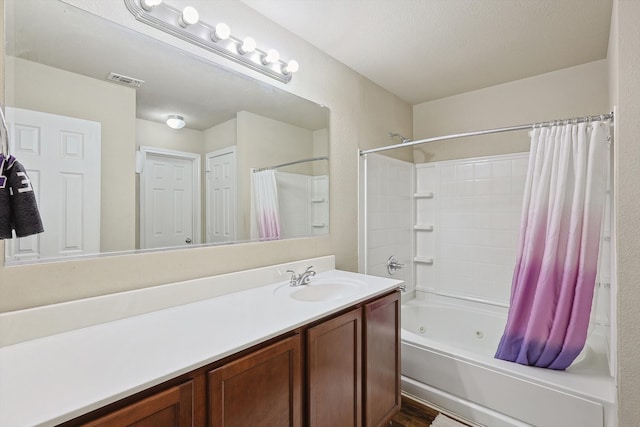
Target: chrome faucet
[(302, 278)]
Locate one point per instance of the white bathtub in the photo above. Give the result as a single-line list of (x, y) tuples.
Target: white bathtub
[(447, 360)]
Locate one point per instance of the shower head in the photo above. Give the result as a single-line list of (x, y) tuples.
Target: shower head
[(403, 140)]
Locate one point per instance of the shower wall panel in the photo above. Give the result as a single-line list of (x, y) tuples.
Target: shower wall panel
[(389, 184), (475, 209), (294, 202)]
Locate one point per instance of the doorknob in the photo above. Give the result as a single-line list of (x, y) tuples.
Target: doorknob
[(188, 240), (393, 265)]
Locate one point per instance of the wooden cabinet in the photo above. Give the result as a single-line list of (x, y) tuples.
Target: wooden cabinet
[(262, 389), (353, 366), (334, 357), (170, 408), (340, 371), (381, 360)]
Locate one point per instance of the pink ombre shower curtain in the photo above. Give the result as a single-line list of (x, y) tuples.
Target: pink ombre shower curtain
[(555, 273), (265, 204)]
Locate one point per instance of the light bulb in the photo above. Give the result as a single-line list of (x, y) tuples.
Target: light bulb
[(175, 122), (149, 4), (221, 32), (248, 45), (189, 16), (291, 67), (271, 57)]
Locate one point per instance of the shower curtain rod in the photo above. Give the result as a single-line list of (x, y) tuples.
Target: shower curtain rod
[(312, 159), (489, 131)]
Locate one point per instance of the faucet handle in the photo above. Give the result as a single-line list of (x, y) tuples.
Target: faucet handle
[(305, 278), (294, 276)]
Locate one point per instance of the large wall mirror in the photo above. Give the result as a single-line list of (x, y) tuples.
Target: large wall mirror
[(251, 162)]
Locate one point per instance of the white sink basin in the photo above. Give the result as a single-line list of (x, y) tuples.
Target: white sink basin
[(324, 289)]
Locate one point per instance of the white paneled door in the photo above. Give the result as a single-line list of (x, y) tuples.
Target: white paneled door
[(169, 199), (221, 196), (62, 157)]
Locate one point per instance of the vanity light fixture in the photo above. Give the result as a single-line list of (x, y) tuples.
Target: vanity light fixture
[(270, 57), (175, 121), (189, 16), (221, 32), (186, 25), (248, 45), (149, 4), (291, 67)]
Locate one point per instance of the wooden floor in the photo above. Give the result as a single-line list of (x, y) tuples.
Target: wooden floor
[(413, 414)]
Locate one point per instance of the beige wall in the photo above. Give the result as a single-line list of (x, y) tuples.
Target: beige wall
[(392, 112), (264, 142), (160, 135), (362, 114), (220, 136), (575, 91), (624, 57), (38, 87)]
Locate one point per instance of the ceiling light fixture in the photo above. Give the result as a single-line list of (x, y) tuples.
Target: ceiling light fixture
[(175, 121), (186, 25)]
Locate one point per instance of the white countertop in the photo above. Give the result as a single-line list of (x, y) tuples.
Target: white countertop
[(50, 380)]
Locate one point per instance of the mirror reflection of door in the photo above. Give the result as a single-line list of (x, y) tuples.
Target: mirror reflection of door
[(62, 156), (169, 199), (221, 196)]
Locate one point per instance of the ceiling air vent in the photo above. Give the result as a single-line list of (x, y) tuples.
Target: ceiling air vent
[(129, 81)]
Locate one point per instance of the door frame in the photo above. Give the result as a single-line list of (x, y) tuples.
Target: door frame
[(217, 153), (197, 195)]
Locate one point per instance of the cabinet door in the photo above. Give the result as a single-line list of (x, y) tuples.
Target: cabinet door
[(262, 389), (334, 351), (170, 408), (382, 356)]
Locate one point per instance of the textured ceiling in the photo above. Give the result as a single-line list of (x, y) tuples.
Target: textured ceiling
[(422, 50)]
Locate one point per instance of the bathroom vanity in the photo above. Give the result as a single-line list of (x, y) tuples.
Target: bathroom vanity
[(338, 371), (324, 354)]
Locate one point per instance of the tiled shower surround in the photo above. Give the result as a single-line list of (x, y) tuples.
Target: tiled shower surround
[(457, 222), (474, 206), (304, 204), (389, 218)]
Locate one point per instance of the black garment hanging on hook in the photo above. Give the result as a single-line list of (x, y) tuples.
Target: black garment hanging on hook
[(18, 207)]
